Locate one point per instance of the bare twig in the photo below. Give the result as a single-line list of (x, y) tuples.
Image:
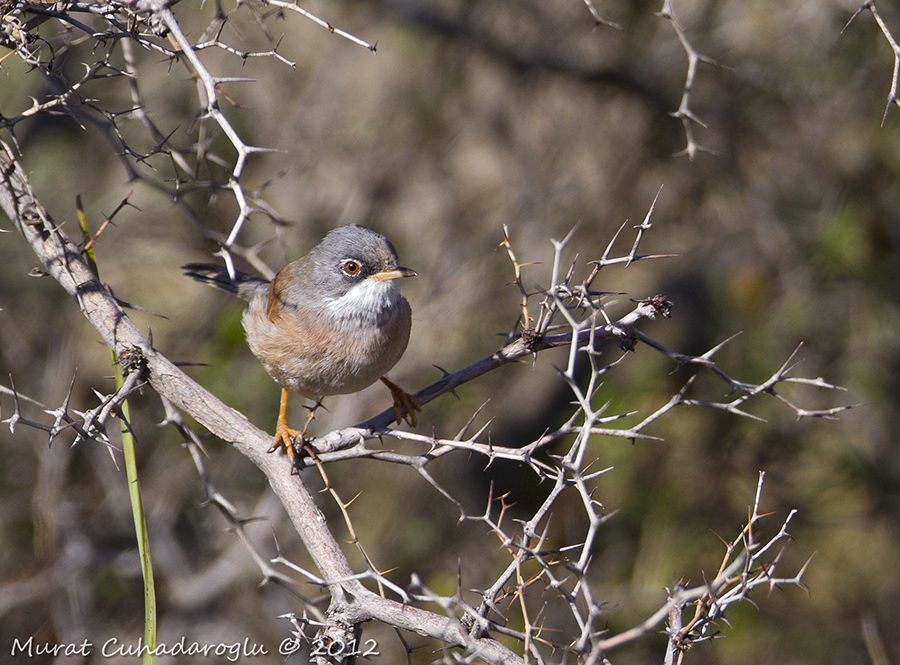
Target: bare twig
[(892, 99)]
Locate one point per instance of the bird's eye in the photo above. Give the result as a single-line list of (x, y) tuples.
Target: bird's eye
[(351, 267)]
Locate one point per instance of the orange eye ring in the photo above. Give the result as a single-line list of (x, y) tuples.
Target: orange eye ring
[(351, 267)]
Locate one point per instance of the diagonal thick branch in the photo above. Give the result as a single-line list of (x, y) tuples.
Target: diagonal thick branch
[(351, 603)]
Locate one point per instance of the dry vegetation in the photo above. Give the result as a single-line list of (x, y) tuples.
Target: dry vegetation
[(549, 170)]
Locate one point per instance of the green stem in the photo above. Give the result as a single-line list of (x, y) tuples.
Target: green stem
[(131, 474), (140, 525)]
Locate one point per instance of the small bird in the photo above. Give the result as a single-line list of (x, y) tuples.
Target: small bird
[(330, 323)]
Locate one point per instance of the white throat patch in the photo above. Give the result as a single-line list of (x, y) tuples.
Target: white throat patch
[(370, 300)]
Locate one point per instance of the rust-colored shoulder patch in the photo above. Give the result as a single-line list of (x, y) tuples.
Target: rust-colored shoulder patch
[(275, 303)]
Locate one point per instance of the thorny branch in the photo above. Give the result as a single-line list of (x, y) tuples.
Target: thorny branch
[(598, 18), (350, 602), (89, 425), (684, 112), (153, 26), (565, 299), (892, 99), (743, 568), (587, 324), (545, 584)]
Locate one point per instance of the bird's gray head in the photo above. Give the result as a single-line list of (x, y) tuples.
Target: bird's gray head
[(353, 270)]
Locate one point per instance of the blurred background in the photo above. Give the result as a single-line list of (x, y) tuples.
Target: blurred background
[(475, 114)]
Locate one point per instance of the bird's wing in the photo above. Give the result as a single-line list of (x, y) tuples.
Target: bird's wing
[(243, 285)]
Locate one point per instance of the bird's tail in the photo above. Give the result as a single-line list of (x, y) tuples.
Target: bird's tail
[(242, 285)]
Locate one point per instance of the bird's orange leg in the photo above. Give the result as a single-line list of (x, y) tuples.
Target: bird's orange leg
[(405, 405), (284, 435)]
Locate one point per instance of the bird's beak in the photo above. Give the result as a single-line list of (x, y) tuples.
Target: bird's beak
[(396, 273)]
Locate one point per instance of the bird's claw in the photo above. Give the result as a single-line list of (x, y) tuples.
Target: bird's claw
[(405, 405), (285, 438)]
